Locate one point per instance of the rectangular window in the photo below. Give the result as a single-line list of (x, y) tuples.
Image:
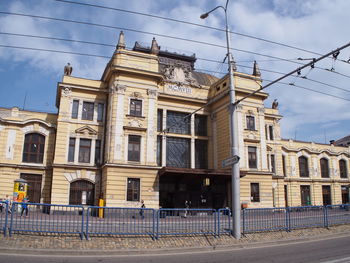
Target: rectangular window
[(75, 109), (71, 150), (159, 150), (88, 111), (254, 192), (133, 190), (100, 111), (178, 152), (305, 195), (98, 152), (134, 148), (345, 194), (201, 154), (271, 132), (284, 165), (326, 195), (84, 150), (160, 120), (136, 107), (250, 123), (178, 122), (200, 125), (273, 164), (252, 157)]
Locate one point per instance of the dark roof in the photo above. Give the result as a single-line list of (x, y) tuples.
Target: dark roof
[(345, 141), (204, 79)]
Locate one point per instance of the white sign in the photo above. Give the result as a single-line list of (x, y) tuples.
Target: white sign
[(180, 89), (229, 161)]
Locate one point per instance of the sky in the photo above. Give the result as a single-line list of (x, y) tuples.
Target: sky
[(28, 78)]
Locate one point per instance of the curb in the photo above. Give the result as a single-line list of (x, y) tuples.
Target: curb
[(174, 250)]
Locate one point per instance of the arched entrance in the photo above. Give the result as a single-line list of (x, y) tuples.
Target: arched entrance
[(82, 192)]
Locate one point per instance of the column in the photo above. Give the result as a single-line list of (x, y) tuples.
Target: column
[(119, 121), (164, 139), (215, 141), (193, 160), (151, 127), (262, 138)]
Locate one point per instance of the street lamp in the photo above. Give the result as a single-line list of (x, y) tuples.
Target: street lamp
[(236, 210)]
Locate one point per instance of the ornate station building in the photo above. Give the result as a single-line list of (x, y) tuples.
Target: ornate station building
[(154, 129)]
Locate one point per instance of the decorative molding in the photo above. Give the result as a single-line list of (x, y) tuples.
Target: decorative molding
[(152, 93), (120, 89), (86, 130), (66, 91)]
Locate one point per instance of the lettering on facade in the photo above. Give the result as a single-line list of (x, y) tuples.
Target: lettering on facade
[(180, 89)]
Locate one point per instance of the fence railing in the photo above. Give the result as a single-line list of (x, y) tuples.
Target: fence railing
[(47, 218), (120, 221), (97, 221), (289, 218)]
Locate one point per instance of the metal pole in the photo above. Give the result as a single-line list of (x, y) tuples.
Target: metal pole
[(235, 174)]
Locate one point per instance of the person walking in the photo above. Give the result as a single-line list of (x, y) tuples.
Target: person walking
[(9, 204), (187, 206), (25, 206), (142, 209)]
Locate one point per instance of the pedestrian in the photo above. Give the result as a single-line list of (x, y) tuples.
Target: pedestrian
[(25, 206), (9, 203), (187, 206), (142, 209)]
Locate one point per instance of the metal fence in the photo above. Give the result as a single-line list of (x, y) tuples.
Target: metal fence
[(120, 221), (47, 218), (289, 218), (101, 221), (3, 216), (186, 221)]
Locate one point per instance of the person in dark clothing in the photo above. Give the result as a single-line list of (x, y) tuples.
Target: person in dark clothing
[(25, 206), (142, 209)]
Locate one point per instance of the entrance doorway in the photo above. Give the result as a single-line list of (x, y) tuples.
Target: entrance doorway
[(201, 191), (34, 186), (326, 195), (305, 195), (82, 192)]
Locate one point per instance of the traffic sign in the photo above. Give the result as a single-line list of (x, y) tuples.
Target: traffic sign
[(229, 161)]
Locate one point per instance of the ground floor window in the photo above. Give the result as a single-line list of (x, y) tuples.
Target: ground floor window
[(254, 192), (133, 189), (345, 194), (305, 195), (326, 195), (82, 192), (34, 186)]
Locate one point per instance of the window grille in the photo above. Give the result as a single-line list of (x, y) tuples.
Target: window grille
[(178, 122), (178, 152)]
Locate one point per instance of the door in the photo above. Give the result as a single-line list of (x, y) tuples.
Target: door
[(34, 186), (285, 196), (305, 195), (82, 192), (326, 194)]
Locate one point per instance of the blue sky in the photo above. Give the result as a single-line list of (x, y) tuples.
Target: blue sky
[(29, 78)]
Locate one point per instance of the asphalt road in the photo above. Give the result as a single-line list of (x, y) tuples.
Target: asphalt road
[(333, 250)]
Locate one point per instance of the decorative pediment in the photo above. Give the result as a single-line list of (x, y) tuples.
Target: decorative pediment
[(86, 130)]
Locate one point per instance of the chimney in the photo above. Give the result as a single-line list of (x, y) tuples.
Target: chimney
[(154, 48), (331, 142)]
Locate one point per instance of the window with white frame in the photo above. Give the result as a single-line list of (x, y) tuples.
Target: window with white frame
[(88, 110)]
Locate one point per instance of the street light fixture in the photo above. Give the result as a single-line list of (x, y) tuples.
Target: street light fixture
[(235, 174)]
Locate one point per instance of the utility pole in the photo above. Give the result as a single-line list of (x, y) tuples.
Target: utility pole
[(235, 173)]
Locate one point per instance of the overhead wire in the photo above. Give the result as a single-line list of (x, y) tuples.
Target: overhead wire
[(190, 23)]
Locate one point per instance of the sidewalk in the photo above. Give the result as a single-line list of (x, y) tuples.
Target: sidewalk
[(53, 244)]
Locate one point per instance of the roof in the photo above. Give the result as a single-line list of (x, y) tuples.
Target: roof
[(204, 79), (345, 141)]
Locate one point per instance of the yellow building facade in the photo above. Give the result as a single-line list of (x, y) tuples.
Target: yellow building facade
[(154, 129)]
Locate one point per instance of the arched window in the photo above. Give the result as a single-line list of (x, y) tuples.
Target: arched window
[(82, 192), (324, 168), (33, 149), (342, 169), (303, 167)]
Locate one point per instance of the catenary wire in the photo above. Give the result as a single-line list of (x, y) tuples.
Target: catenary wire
[(189, 23), (166, 36)]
